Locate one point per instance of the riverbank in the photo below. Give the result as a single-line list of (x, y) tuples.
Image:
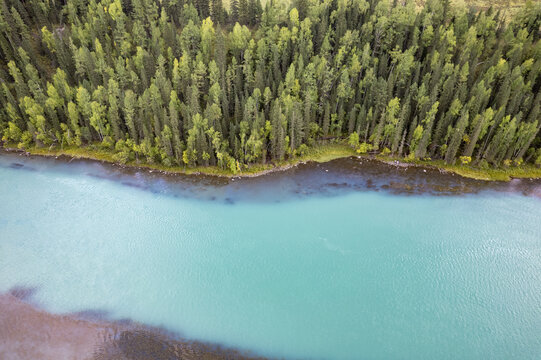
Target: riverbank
[(320, 154), (469, 171), (28, 332)]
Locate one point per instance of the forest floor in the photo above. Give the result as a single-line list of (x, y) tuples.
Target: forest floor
[(320, 153)]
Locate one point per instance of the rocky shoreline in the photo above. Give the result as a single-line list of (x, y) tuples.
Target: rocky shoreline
[(354, 173), (494, 174), (151, 169)]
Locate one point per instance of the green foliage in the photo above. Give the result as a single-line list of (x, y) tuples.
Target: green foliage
[(12, 133), (465, 160), (124, 151), (192, 84), (353, 140), (364, 148)]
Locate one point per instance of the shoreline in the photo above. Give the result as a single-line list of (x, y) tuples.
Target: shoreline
[(338, 175), (320, 154), (212, 171), (30, 332)]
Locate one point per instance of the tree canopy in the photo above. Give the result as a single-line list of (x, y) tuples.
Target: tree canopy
[(182, 82)]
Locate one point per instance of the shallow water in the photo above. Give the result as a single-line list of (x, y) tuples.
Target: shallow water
[(292, 265)]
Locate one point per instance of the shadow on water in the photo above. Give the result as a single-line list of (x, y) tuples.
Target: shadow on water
[(333, 178)]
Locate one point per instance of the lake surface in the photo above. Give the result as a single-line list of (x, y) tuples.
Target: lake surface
[(336, 261)]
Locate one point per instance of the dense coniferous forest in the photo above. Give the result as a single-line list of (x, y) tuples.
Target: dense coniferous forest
[(179, 82)]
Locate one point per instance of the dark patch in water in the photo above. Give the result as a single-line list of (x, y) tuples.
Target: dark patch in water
[(99, 315), (92, 315), (24, 293), (98, 176), (134, 185), (338, 185), (20, 166), (229, 201)]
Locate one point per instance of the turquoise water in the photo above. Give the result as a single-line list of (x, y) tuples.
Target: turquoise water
[(359, 274)]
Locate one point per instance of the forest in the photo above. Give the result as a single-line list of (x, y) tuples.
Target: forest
[(198, 83)]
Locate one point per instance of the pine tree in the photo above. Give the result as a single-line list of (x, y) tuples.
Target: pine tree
[(456, 138), (235, 11)]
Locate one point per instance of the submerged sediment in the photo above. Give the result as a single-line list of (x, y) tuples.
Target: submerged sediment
[(28, 332)]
